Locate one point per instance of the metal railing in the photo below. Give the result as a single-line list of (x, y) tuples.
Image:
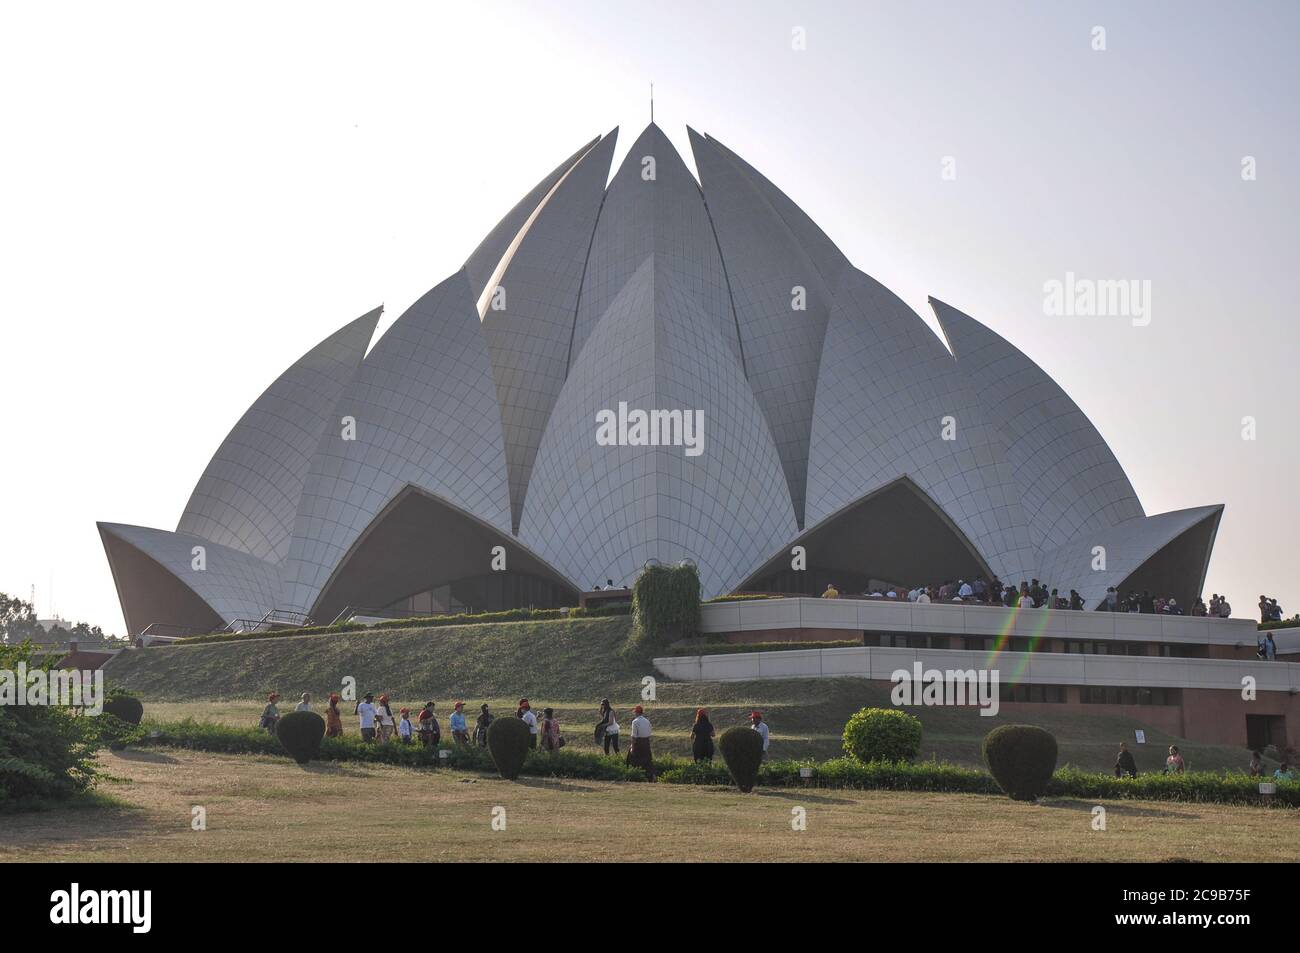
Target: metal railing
[(351, 612), (162, 632), (275, 619)]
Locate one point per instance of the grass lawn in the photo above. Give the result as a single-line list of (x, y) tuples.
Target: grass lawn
[(261, 808), (569, 666)]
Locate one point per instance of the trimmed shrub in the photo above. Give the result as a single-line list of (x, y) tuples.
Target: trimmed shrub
[(742, 749), (1195, 787), (126, 707), (674, 771), (1021, 759), (882, 734), (507, 740), (301, 732), (1291, 623), (665, 607)]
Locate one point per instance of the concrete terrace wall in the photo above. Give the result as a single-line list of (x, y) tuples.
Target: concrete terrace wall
[(1042, 668), (1287, 640), (880, 615)]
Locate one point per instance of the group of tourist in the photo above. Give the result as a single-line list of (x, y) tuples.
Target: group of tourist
[(1269, 610), (1147, 604), (1037, 595), (1032, 594), (1125, 766), (380, 724), (271, 713), (1284, 771)]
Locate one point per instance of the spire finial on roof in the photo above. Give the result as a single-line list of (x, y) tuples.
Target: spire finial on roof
[(652, 102)]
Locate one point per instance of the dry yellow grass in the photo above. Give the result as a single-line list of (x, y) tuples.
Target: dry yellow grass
[(269, 809)]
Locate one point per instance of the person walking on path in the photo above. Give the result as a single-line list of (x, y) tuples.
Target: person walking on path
[(702, 737), (610, 722), (459, 728), (387, 723), (481, 725), (430, 730), (757, 723), (333, 720), (365, 711), (525, 713), (1124, 763), (270, 714), (1174, 764), (550, 731), (639, 754)]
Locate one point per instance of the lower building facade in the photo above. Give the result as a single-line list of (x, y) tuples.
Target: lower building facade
[(1192, 677)]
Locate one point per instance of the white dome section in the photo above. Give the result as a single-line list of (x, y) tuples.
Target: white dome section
[(235, 585), (528, 323), (653, 206), (599, 512), (248, 494), (482, 263), (888, 390), (781, 307), (1069, 481), (425, 414)]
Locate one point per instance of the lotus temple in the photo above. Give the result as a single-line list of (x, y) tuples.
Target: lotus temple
[(388, 475)]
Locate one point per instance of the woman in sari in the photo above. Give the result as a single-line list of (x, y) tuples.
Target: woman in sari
[(333, 719), (550, 730)]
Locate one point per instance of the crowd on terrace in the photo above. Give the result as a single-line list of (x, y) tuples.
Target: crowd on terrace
[(1037, 595)]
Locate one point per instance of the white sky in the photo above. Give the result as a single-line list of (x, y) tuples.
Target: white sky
[(195, 194)]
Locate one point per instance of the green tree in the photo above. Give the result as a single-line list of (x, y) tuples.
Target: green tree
[(17, 620), (47, 752)]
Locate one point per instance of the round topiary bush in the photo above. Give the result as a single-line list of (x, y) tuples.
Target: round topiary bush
[(125, 707), (507, 740), (1021, 759), (742, 749), (882, 734), (301, 732)]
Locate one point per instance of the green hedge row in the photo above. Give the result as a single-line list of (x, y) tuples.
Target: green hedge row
[(925, 776), (419, 622), (1284, 624), (735, 648)]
